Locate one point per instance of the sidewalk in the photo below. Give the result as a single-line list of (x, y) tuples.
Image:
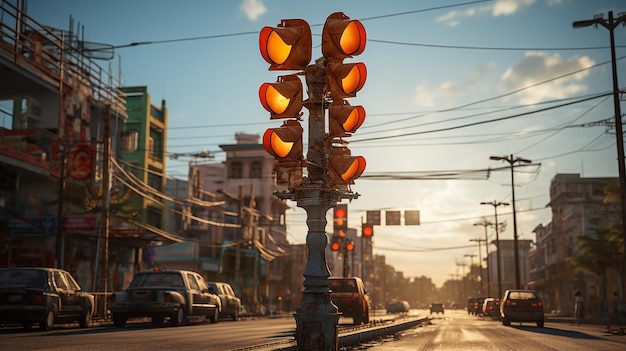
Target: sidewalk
[(616, 327)]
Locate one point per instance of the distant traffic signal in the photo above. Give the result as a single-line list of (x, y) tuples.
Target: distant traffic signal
[(288, 46), (340, 218), (367, 230), (335, 243), (349, 245)]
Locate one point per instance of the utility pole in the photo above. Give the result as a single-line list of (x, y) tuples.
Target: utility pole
[(495, 205), (512, 162), (471, 276), (611, 24), (485, 223), (480, 264)]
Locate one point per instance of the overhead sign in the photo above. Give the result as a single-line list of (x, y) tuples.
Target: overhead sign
[(411, 217), (373, 217), (393, 217)]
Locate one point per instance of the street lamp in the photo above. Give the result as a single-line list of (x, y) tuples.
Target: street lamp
[(512, 161), (611, 24), (495, 205)]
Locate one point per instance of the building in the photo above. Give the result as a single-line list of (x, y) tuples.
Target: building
[(578, 209)]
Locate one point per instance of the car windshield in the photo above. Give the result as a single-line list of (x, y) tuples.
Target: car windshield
[(522, 295), (342, 285), (23, 278), (158, 279)]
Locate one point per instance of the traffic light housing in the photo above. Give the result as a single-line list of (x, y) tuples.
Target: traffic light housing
[(285, 144), (343, 168), (282, 99), (335, 243), (345, 79), (349, 245), (340, 218), (367, 230), (342, 37), (344, 119), (288, 46)]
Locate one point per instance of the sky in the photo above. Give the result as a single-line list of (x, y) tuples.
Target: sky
[(450, 83)]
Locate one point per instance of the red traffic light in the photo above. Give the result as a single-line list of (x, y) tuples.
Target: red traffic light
[(349, 245), (288, 46), (342, 37), (335, 243), (344, 119), (343, 169), (340, 218), (345, 79), (284, 142), (367, 230), (282, 99)]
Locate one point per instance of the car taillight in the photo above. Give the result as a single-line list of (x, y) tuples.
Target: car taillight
[(167, 298), (355, 295), (507, 302), (537, 304), (34, 299)]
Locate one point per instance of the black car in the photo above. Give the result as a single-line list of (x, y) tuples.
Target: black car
[(350, 297), (172, 295), (43, 295), (521, 306), (437, 308), (231, 304)]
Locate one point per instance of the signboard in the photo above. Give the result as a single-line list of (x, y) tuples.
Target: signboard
[(373, 217), (411, 217), (80, 224), (393, 217)]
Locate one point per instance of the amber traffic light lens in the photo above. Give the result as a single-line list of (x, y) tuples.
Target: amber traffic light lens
[(356, 168), (352, 40), (288, 46), (272, 100), (276, 146), (273, 48), (355, 79)]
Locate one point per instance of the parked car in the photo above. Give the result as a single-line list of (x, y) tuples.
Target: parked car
[(475, 305), (350, 297), (398, 306), (231, 304), (437, 308), (521, 306), (491, 308), (46, 296), (174, 295)]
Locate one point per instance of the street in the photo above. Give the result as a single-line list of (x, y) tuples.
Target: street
[(456, 330)]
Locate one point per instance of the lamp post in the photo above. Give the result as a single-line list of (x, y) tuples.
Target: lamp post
[(611, 24), (495, 205), (512, 162)]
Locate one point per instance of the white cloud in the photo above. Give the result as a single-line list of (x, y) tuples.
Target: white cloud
[(498, 8), (537, 67), (253, 9)]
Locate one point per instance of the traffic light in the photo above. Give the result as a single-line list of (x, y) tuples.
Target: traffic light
[(342, 37), (343, 168), (285, 144), (367, 230), (282, 99), (288, 46), (345, 79), (340, 218), (344, 119), (335, 243), (349, 245)]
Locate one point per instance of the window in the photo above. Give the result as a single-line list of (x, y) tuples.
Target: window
[(236, 170), (256, 170), (131, 140), (193, 284)]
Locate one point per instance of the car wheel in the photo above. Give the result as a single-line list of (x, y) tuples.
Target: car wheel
[(236, 314), (357, 319), (47, 323), (85, 318), (506, 322), (119, 320), (366, 319), (178, 318), (215, 317), (540, 323)]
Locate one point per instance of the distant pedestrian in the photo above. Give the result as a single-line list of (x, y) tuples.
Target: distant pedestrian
[(579, 308)]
